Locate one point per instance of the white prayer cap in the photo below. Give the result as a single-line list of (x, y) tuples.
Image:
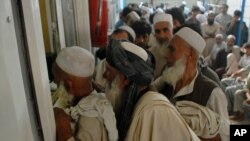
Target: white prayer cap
[(159, 10), (76, 61), (133, 16), (219, 35), (163, 17), (129, 30), (147, 9), (140, 52), (192, 38)]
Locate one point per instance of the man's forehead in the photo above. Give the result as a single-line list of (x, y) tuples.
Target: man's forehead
[(161, 25)]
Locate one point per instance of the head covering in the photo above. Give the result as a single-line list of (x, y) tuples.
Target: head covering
[(192, 38), (76, 61), (133, 16), (163, 17), (137, 65), (129, 30), (146, 9)]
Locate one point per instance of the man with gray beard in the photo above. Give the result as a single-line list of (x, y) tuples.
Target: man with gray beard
[(163, 30), (190, 85), (129, 71)]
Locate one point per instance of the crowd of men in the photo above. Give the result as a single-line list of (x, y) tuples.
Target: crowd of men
[(162, 77)]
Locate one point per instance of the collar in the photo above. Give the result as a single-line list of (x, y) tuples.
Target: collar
[(188, 88)]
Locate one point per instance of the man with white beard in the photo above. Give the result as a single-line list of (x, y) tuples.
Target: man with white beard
[(89, 115), (142, 115), (189, 85), (163, 32)]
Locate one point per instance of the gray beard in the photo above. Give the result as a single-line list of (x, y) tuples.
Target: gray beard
[(161, 47), (114, 94), (173, 74)]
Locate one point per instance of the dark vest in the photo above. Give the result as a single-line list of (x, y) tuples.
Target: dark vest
[(203, 88)]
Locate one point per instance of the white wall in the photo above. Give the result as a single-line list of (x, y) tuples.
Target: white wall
[(15, 123), (14, 117), (33, 29)]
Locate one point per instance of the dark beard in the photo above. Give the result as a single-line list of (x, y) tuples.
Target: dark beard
[(210, 23)]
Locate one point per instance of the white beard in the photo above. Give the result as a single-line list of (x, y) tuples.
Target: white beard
[(65, 99), (173, 74), (113, 94), (161, 47)]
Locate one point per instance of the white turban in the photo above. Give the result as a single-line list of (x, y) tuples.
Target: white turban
[(163, 17), (133, 16), (76, 61), (129, 30), (192, 38)]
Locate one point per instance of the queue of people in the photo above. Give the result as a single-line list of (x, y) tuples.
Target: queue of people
[(161, 77)]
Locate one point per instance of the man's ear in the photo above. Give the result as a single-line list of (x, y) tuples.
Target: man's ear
[(123, 81)]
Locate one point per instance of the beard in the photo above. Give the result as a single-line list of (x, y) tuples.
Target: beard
[(210, 22), (114, 94), (161, 46), (173, 74), (65, 99)]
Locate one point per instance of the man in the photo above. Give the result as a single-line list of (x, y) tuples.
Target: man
[(234, 26), (123, 14), (238, 79), (178, 17), (223, 18), (142, 30), (209, 30), (188, 84), (90, 112), (192, 18), (221, 57), (131, 18), (218, 45), (141, 115), (163, 32), (122, 33)]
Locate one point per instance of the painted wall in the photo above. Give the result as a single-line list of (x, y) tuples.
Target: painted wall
[(14, 117)]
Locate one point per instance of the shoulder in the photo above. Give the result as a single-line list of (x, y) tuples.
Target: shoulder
[(150, 100)]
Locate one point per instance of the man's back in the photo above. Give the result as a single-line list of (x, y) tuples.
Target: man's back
[(155, 118)]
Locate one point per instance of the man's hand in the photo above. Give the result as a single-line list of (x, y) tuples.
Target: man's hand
[(63, 129)]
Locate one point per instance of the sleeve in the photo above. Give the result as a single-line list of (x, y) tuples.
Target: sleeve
[(245, 33), (218, 103), (229, 29), (158, 123)]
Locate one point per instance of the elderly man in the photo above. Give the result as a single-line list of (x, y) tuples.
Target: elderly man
[(163, 29), (123, 32), (191, 87), (89, 112), (142, 115), (221, 57)]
